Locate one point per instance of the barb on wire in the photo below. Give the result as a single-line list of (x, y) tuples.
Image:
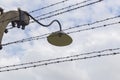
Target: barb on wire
[(60, 58), (61, 61), (43, 36)]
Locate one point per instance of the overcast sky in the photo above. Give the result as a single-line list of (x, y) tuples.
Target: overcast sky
[(104, 68)]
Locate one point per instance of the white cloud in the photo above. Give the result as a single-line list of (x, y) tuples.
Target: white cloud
[(106, 68)]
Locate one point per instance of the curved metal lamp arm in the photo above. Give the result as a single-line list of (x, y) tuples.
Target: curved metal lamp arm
[(44, 24)]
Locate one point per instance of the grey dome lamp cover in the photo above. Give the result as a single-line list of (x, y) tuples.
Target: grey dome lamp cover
[(59, 38)]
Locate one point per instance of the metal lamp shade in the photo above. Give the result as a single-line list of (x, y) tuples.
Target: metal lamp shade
[(59, 39)]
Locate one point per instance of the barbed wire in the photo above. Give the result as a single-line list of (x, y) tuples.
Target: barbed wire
[(86, 24), (39, 9), (92, 23), (61, 61), (64, 8), (60, 12), (49, 6), (66, 57), (105, 25), (45, 35)]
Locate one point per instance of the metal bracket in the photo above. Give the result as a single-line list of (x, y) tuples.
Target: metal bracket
[(1, 10)]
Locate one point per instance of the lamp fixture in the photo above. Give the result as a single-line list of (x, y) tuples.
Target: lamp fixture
[(58, 38)]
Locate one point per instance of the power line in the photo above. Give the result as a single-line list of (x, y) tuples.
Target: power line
[(66, 57), (45, 35), (61, 61)]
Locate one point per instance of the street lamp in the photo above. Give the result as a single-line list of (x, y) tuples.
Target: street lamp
[(58, 38)]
